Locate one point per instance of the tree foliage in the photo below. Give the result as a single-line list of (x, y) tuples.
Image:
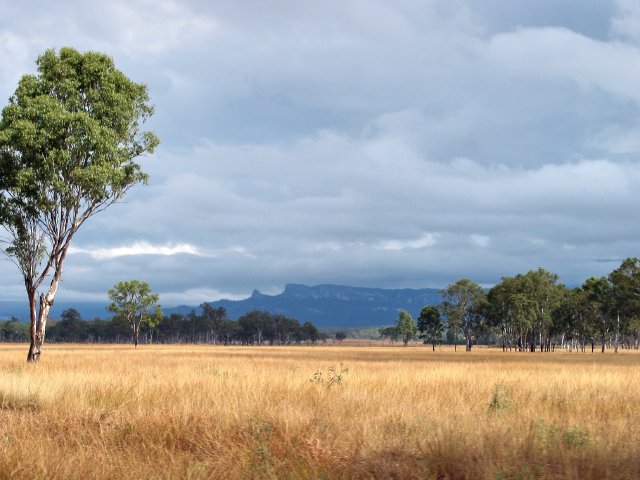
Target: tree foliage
[(522, 307), (69, 140), (134, 302), (461, 305), (405, 326), (430, 325)]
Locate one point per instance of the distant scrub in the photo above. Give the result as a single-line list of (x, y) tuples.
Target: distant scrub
[(211, 326)]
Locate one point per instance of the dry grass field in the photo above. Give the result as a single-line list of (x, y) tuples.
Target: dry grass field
[(317, 412)]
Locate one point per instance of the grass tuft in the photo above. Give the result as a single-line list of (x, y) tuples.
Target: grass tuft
[(500, 399)]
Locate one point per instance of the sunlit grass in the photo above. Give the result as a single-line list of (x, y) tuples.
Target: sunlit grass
[(90, 411)]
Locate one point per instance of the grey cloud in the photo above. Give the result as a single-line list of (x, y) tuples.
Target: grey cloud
[(299, 231), (378, 143)]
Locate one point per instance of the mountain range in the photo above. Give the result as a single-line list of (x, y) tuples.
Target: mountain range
[(332, 306), (326, 306)]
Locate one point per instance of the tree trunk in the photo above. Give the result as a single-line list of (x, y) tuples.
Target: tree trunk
[(34, 347), (617, 335), (39, 327), (136, 332), (467, 337)]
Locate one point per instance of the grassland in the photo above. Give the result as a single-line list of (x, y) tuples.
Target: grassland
[(91, 411)]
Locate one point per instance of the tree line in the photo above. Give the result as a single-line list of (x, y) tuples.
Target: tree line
[(533, 312), (211, 325), (527, 312)]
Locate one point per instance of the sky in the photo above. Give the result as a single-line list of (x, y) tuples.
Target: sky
[(379, 143)]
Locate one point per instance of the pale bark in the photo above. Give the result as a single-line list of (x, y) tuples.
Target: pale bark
[(617, 335), (39, 322)]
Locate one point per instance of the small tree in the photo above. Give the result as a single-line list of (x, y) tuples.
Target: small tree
[(340, 336), (406, 326), (69, 327), (599, 307), (211, 319), (460, 301), (134, 302), (430, 325), (389, 332), (310, 332)]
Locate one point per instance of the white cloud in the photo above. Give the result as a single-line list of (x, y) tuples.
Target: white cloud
[(197, 296), (626, 21), (138, 248), (425, 241), (480, 240), (141, 29), (558, 54), (619, 140)]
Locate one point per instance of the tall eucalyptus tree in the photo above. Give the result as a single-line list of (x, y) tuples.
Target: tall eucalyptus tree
[(69, 140)]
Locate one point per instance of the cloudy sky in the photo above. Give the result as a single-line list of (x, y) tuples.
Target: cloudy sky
[(387, 143)]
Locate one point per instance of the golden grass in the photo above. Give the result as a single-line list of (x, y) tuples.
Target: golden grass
[(317, 412)]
